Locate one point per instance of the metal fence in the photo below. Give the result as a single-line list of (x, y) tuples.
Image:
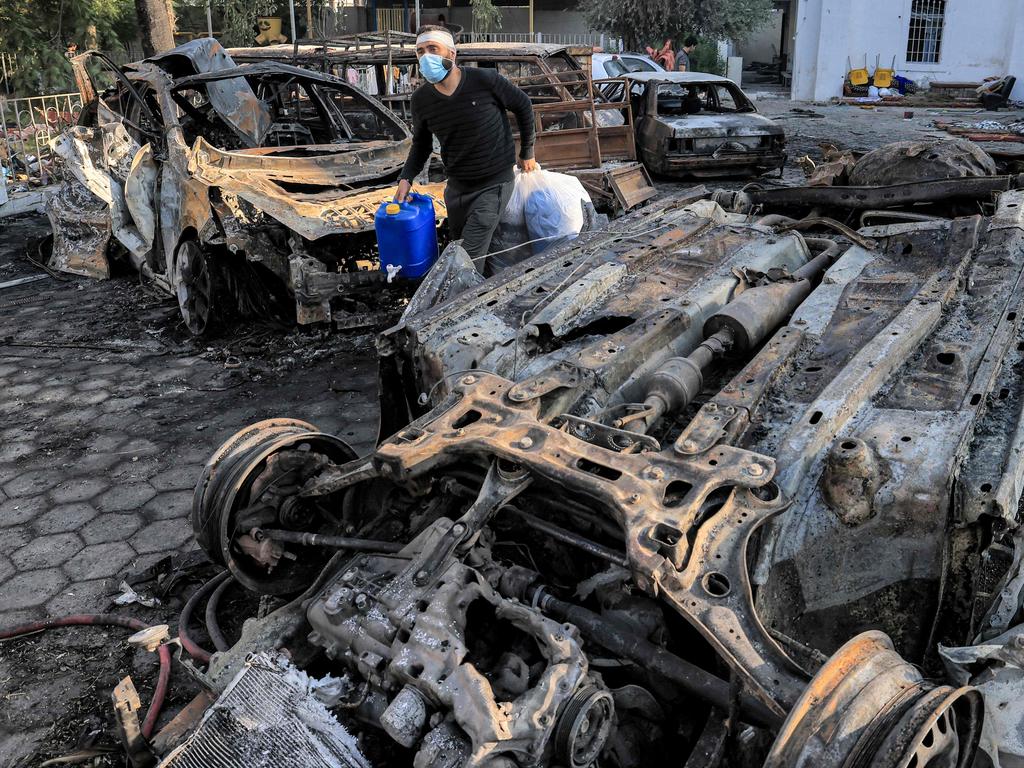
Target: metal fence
[(26, 127), (583, 39)]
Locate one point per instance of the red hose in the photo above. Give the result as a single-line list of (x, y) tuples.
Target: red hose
[(159, 693), (108, 619)]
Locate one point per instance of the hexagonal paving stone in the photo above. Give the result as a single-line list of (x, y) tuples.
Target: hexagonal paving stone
[(22, 391), (177, 479), (115, 370), (97, 462), (138, 471), (66, 517), (140, 447), (169, 504), (164, 534), (110, 527), (79, 489), (92, 398), (33, 483), (107, 443), (47, 551), (15, 434), (16, 450), (54, 394), (16, 536), (83, 597), (21, 510), (125, 497), (122, 404), (75, 417), (94, 383), (31, 588), (99, 561)]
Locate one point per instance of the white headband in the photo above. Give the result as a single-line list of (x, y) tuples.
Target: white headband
[(442, 36)]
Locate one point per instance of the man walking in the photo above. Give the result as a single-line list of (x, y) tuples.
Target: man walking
[(465, 109), (683, 57)]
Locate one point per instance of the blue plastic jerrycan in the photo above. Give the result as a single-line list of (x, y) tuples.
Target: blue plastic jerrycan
[(407, 235)]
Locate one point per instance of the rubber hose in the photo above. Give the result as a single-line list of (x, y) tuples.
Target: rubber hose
[(212, 625), (190, 646), (112, 620)]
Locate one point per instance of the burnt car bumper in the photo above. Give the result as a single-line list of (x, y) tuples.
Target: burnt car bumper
[(724, 164)]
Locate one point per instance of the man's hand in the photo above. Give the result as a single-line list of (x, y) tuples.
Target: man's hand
[(526, 166), (404, 187)]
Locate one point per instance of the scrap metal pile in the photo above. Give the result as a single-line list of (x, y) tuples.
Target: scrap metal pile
[(726, 486)]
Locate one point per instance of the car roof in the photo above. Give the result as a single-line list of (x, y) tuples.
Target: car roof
[(677, 77), (313, 51)]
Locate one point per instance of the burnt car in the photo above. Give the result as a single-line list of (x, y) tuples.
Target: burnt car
[(227, 184), (578, 127), (389, 70), (721, 483), (692, 124)]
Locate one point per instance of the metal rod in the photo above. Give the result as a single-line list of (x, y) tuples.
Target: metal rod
[(568, 537), (655, 658), (295, 38), (334, 542)]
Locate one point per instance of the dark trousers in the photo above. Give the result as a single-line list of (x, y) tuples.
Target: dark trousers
[(473, 216)]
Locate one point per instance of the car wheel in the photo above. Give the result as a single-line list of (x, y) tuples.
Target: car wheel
[(194, 286)]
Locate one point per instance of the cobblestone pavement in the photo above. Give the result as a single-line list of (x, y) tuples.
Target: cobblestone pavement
[(108, 412)]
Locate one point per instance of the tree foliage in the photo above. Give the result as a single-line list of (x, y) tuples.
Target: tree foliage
[(239, 20), (486, 16), (650, 22), (39, 33)]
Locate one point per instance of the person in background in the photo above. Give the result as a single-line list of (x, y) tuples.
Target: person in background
[(683, 57), (466, 110), (664, 55)]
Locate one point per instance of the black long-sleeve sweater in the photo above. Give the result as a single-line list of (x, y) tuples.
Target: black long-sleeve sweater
[(475, 136)]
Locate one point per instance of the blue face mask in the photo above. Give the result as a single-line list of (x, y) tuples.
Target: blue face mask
[(434, 68)]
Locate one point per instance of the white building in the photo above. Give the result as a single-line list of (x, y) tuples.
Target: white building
[(931, 40)]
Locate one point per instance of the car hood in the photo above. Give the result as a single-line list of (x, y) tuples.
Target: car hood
[(313, 190), (715, 126)]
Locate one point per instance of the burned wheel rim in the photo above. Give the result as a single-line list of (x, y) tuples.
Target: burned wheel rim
[(867, 708), (245, 466), (194, 287)]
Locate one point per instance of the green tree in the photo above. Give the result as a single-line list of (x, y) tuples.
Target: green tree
[(640, 23), (40, 33), (239, 20), (486, 16)]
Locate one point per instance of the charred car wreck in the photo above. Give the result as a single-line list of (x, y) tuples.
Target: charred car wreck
[(692, 124), (215, 177), (709, 484)]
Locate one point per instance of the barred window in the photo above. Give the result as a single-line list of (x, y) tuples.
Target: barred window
[(924, 42)]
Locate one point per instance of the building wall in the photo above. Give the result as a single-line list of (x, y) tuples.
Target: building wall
[(764, 43), (980, 38)]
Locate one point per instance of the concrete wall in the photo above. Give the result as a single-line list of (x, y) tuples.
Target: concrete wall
[(763, 44), (980, 38), (558, 22)]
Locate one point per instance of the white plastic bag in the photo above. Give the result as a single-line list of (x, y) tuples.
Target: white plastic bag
[(549, 204)]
